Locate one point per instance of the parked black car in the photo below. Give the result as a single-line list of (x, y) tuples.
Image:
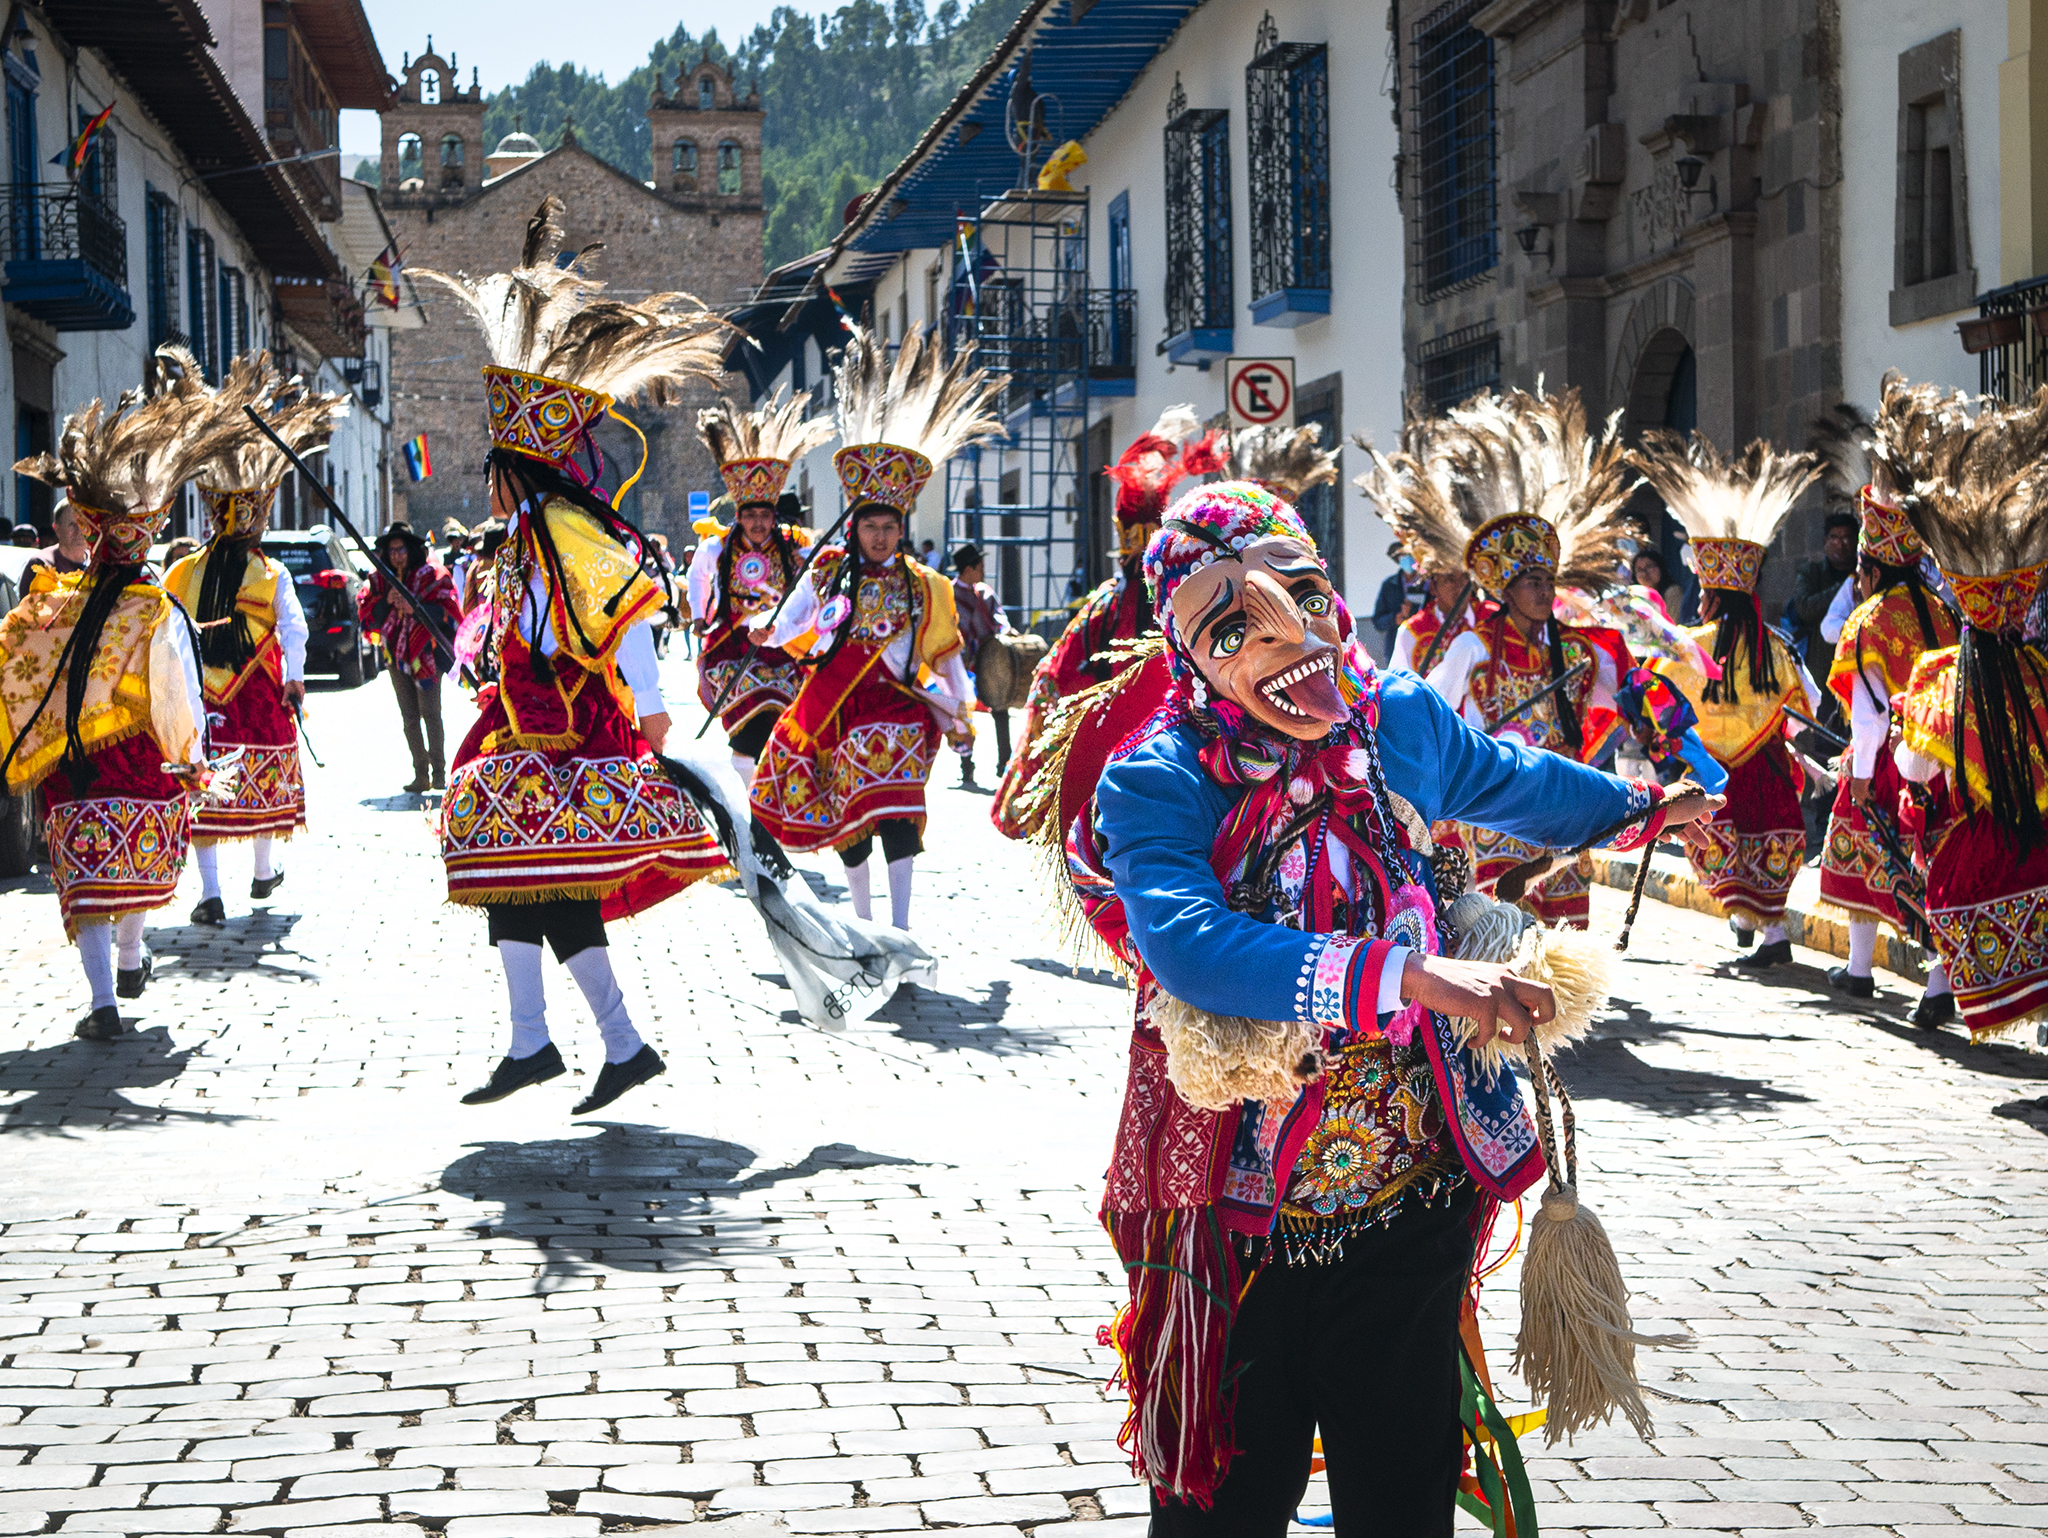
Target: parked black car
[(21, 823), (328, 578)]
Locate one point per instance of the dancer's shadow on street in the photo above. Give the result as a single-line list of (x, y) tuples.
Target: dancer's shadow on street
[(1636, 1023), (1102, 977), (1995, 1059), (634, 1198), (1603, 1068), (76, 1086), (403, 801), (251, 942), (947, 1022)]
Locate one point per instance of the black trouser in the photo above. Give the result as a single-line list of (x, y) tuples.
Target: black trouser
[(754, 733), (899, 842), (567, 924), (1366, 1348), (419, 701)]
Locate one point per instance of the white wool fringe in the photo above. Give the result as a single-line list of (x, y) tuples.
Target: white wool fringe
[(1215, 1061), (1578, 969)]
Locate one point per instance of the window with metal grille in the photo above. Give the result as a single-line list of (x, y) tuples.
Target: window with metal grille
[(1198, 294), (99, 178), (204, 318), (160, 230), (1458, 227), (1287, 99), (1455, 366)]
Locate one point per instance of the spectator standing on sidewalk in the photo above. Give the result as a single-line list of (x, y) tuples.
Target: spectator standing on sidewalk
[(393, 616), (981, 616), (69, 553)]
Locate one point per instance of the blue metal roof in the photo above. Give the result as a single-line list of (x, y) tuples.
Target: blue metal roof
[(1086, 66)]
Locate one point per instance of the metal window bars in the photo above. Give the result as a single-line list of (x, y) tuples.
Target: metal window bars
[(1198, 277), (58, 222), (2010, 339), (1457, 365), (1287, 99), (1457, 235)]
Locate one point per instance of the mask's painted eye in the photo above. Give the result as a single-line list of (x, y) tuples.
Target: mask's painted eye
[(1228, 641), (1316, 603)]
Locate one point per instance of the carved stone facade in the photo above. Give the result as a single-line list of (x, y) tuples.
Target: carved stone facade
[(1666, 209), (462, 206)]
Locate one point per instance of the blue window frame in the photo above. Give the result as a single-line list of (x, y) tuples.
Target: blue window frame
[(1287, 95), (160, 227), (1456, 214), (1199, 295), (23, 164)]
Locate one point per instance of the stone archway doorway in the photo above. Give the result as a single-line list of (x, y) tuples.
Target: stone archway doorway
[(1664, 392)]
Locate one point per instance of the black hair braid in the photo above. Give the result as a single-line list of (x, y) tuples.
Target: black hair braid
[(1741, 624), (108, 586), (846, 584), (224, 638), (1567, 712), (1991, 688)]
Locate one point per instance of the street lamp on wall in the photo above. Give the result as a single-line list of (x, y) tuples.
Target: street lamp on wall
[(1528, 235), (1689, 169)]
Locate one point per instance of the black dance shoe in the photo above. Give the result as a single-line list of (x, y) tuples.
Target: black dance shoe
[(211, 910), (130, 981), (1842, 980), (614, 1079), (1934, 1011), (1776, 954), (263, 886), (515, 1073), (1743, 937), (102, 1024)]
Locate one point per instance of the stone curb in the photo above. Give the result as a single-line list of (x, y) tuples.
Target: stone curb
[(1672, 881)]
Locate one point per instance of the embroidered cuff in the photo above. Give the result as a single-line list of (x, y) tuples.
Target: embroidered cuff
[(1641, 793), (1323, 990), (1363, 982)]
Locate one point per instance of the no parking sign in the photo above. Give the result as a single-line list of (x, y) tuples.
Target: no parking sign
[(1260, 391)]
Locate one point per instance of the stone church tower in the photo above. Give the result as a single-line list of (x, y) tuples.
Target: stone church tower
[(690, 220)]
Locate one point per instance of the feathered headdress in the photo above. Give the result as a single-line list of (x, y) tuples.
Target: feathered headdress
[(1731, 509), (1416, 490), (1285, 460), (755, 448), (121, 470), (561, 355), (240, 485), (1147, 471), (900, 418)]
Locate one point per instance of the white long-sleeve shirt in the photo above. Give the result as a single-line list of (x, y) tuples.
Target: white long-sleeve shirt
[(800, 615), (639, 668), (177, 703), (1839, 610), (1402, 658), (1452, 677), (288, 618), (703, 577)]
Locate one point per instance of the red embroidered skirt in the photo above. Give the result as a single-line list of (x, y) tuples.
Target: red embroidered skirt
[(1565, 895), (768, 678), (1987, 906), (270, 792), (119, 847), (1757, 842), (593, 818), (853, 751), (1854, 874)]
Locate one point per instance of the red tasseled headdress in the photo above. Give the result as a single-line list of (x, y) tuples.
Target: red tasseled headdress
[(1154, 464)]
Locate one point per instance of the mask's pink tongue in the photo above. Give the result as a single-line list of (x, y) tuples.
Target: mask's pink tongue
[(1317, 695)]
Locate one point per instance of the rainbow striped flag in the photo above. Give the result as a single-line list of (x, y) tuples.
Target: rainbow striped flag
[(418, 463)]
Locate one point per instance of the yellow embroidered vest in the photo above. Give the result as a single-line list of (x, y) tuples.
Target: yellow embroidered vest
[(32, 639), (1734, 733), (255, 601)]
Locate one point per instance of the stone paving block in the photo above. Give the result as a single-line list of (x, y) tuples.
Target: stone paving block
[(469, 1503), (352, 1508), (607, 1505), (523, 1527)]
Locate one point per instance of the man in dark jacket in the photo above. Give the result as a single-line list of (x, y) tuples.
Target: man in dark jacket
[(1399, 599), (1815, 587)]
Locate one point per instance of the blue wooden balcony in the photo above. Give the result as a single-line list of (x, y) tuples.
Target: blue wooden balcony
[(67, 259)]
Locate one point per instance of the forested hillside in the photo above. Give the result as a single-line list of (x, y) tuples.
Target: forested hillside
[(846, 95)]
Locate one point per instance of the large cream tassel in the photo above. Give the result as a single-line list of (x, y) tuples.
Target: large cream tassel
[(1577, 1346)]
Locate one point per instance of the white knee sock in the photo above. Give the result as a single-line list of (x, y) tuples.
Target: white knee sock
[(857, 889), (528, 996), (743, 766), (96, 950), (1937, 979), (1862, 946), (592, 969), (1772, 934), (128, 941), (265, 869), (207, 857), (899, 892)]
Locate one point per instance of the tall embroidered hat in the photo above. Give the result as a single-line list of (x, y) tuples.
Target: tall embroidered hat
[(239, 486), (901, 418), (1287, 461), (1731, 509), (756, 448), (562, 356), (121, 469), (1874, 465), (1506, 484), (1980, 509), (1147, 471)]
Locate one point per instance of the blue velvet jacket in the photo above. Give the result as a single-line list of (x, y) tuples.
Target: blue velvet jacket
[(1158, 812)]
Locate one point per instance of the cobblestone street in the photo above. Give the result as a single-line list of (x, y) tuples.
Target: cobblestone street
[(263, 1274)]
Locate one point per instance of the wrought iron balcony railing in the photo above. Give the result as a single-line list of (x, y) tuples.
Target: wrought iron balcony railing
[(1091, 332), (2010, 339), (67, 258)]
